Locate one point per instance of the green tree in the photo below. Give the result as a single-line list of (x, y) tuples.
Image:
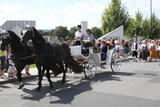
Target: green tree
[(135, 25), (72, 31), (96, 32), (138, 24), (114, 16), (61, 31), (146, 27), (46, 33), (155, 28), (130, 30)]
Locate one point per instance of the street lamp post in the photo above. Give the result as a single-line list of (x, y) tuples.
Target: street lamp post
[(151, 18)]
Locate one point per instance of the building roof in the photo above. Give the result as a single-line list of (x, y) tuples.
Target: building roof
[(17, 25), (10, 24)]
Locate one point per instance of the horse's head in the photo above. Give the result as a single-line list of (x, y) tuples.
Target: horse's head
[(27, 33), (4, 36)]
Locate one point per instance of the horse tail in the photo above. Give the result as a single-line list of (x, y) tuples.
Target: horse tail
[(74, 65), (71, 63)]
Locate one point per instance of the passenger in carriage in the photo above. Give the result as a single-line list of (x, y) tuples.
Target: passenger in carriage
[(79, 35), (88, 39)]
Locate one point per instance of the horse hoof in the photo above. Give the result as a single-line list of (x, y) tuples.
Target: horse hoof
[(51, 87), (63, 82), (21, 85)]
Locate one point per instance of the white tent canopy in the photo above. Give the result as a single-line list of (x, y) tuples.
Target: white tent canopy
[(117, 33)]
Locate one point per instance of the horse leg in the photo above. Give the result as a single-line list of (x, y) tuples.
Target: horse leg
[(66, 66), (19, 69), (64, 73), (40, 75), (49, 78)]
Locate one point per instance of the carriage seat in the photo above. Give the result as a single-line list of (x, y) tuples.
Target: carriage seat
[(78, 50)]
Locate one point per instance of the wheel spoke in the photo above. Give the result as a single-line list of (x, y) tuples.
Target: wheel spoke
[(115, 64), (90, 69)]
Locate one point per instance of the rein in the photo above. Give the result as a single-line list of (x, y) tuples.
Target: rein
[(23, 58)]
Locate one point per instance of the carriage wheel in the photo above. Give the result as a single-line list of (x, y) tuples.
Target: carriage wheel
[(90, 69), (115, 63)]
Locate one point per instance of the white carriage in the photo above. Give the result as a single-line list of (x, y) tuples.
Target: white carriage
[(93, 60)]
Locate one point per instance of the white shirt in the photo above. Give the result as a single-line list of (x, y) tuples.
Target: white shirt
[(133, 48), (79, 35), (142, 46), (158, 48), (88, 37)]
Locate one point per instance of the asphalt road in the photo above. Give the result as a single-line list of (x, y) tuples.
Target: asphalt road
[(136, 85)]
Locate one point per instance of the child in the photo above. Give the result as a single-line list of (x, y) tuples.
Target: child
[(11, 69)]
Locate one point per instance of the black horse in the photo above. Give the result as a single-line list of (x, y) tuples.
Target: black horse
[(51, 56), (23, 54)]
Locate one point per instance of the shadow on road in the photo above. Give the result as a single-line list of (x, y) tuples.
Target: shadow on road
[(125, 73), (65, 94), (104, 76), (3, 86)]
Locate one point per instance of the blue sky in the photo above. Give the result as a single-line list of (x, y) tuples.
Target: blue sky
[(51, 13)]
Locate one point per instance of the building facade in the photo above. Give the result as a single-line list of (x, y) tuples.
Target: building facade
[(17, 25)]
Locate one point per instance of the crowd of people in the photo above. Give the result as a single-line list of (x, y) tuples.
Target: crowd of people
[(146, 50), (142, 50)]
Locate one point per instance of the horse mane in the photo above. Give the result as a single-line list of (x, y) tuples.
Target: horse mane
[(38, 34), (14, 36)]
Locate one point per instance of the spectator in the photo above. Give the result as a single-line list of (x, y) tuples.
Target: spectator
[(103, 48), (2, 62), (121, 48), (158, 50), (11, 69), (126, 48), (152, 50), (134, 49), (27, 70), (143, 50)]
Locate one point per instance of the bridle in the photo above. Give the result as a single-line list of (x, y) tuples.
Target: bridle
[(26, 29)]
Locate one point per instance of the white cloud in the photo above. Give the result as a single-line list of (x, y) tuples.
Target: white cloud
[(143, 6), (70, 14), (73, 15), (10, 11), (5, 8), (41, 2)]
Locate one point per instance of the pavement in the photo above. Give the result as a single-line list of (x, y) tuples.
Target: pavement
[(136, 85), (34, 73), (4, 79)]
